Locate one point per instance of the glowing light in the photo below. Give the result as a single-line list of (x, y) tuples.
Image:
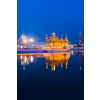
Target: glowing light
[(31, 58), (21, 63), (25, 58), (72, 52), (46, 66), (80, 68), (52, 68), (66, 67), (27, 62), (50, 58), (21, 56), (68, 56), (23, 67), (61, 65), (31, 40), (25, 41), (53, 34)]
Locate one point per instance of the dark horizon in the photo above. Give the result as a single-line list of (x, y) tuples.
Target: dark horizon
[(38, 18)]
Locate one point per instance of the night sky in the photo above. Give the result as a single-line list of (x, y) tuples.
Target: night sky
[(40, 17)]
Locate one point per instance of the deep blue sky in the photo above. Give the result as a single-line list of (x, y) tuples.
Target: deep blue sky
[(40, 17)]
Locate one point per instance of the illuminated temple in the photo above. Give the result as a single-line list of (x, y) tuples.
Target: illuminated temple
[(55, 42)]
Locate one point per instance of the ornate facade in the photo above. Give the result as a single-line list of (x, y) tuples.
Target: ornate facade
[(55, 42)]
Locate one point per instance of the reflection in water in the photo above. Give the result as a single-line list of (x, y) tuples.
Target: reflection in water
[(21, 56), (80, 53), (31, 58), (51, 59), (55, 59), (24, 61), (23, 67), (44, 74), (80, 57)]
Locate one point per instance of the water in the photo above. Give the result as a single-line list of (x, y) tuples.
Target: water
[(50, 76)]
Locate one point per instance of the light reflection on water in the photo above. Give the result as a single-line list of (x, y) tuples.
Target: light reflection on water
[(52, 59), (50, 76)]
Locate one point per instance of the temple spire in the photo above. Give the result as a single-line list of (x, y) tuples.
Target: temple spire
[(53, 34), (66, 37), (46, 37)]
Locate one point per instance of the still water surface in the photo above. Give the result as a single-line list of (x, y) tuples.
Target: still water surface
[(50, 76)]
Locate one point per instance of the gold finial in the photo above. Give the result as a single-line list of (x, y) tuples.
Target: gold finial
[(53, 34), (66, 35), (46, 35)]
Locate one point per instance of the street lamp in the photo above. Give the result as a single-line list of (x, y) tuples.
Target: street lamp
[(31, 40)]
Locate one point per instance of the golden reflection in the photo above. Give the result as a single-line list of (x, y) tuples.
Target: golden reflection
[(51, 59), (27, 62), (52, 68), (46, 65), (61, 65), (57, 59), (66, 66)]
